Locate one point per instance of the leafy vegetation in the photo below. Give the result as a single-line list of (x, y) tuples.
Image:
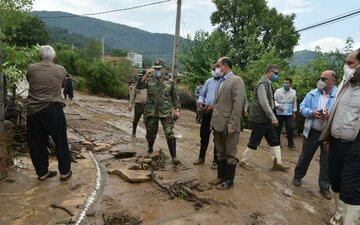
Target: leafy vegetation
[(253, 28)]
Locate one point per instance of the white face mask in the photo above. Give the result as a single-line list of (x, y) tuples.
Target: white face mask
[(218, 72), (349, 72), (321, 85), (213, 73)]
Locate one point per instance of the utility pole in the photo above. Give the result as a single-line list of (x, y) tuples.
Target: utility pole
[(176, 41), (103, 49), (3, 151)]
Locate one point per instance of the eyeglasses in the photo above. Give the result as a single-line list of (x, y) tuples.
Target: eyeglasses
[(218, 66), (322, 78), (276, 73)]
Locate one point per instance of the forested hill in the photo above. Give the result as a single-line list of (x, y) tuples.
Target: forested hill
[(302, 57), (77, 30), (151, 45)]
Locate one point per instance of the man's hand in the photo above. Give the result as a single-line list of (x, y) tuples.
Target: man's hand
[(275, 123), (176, 114), (208, 108), (326, 145), (231, 130), (201, 105), (148, 73), (280, 108), (294, 115), (130, 108), (245, 114), (318, 114)]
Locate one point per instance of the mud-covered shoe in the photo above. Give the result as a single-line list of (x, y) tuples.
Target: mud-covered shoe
[(175, 161), (245, 165), (217, 181), (214, 166), (148, 154), (326, 193), (297, 182), (280, 167), (225, 185), (199, 161), (334, 221)]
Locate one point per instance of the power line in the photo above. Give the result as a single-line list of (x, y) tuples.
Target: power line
[(332, 20), (110, 11)]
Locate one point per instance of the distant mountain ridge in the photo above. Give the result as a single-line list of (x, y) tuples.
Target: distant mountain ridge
[(151, 45), (78, 29), (302, 57)]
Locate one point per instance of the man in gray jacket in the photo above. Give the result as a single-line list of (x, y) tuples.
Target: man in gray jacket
[(264, 120)]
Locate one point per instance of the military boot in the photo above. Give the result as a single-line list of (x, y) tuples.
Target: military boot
[(221, 164), (228, 178), (172, 149), (150, 149)]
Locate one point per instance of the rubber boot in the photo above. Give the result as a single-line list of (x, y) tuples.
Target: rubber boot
[(336, 219), (351, 215), (245, 158), (172, 149), (150, 149), (220, 172), (276, 155), (228, 178)]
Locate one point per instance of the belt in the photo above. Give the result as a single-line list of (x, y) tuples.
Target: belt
[(343, 141)]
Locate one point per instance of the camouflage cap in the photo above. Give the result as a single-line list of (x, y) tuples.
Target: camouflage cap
[(158, 63)]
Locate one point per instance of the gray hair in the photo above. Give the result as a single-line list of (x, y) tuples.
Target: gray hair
[(47, 52)]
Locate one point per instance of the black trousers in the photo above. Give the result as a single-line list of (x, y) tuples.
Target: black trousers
[(260, 130), (205, 135), (138, 111), (344, 171), (310, 145), (49, 121), (289, 128)]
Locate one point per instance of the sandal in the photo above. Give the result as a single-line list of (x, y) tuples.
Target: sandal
[(48, 175), (67, 177)]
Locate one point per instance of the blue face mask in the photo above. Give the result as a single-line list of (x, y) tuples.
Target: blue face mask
[(274, 77), (157, 73), (286, 86)]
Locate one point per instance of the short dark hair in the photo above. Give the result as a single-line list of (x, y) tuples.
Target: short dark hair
[(227, 61), (271, 67), (288, 79)]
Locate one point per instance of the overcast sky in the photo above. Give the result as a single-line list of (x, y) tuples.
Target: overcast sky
[(196, 15)]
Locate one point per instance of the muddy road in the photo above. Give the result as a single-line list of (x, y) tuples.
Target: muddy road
[(95, 197)]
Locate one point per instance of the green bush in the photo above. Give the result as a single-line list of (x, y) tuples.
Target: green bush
[(80, 84)]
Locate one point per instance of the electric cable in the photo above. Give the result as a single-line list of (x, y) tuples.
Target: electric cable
[(332, 20), (105, 12)]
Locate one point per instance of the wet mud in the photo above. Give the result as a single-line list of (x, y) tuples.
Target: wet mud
[(259, 196)]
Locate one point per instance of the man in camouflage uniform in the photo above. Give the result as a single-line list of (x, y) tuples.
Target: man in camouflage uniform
[(161, 102)]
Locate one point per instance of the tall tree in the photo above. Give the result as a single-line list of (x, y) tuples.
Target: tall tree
[(198, 55), (7, 7), (253, 29), (29, 31)]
